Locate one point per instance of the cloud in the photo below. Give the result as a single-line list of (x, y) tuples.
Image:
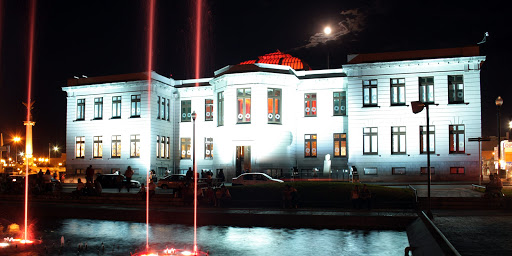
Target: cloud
[(351, 21)]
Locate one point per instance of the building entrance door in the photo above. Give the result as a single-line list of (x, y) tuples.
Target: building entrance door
[(243, 159)]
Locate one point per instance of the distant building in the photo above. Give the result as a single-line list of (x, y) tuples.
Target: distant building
[(275, 115)]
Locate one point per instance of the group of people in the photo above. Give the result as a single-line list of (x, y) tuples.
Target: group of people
[(151, 189), (494, 187), (87, 189), (361, 197)]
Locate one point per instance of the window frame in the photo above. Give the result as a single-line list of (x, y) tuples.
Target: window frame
[(243, 96), (135, 106), (186, 111), (80, 147), (220, 108), (80, 109), (274, 98), (400, 135), (98, 108), (454, 138), (135, 146), (428, 82), (424, 170), (457, 170), (397, 87), (423, 139), (97, 147), (115, 141), (310, 145), (310, 105), (395, 169), (208, 148), (208, 110), (370, 88), (186, 143), (116, 107), (339, 143), (339, 103), (371, 133), (453, 91)]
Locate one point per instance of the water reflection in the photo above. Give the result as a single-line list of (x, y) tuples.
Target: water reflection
[(121, 238)]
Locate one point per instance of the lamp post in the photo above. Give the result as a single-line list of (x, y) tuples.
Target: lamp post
[(16, 141), (194, 115), (499, 103), (417, 106), (327, 32)]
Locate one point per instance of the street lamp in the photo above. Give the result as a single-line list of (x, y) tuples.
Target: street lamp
[(499, 103), (194, 115), (417, 106), (327, 32), (16, 141)]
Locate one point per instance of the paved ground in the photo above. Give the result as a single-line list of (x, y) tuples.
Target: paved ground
[(446, 191)]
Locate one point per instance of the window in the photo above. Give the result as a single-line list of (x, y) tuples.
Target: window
[(80, 109), (457, 170), (244, 105), (185, 148), (162, 146), (116, 146), (135, 146), (370, 93), (398, 92), (340, 144), (98, 108), (310, 145), (97, 147), (80, 147), (135, 111), (163, 108), (398, 140), (158, 108), (168, 110), (398, 170), (370, 171), (186, 110), (423, 139), (116, 107), (208, 148), (370, 138), (340, 103), (426, 89), (274, 106), (220, 108), (208, 110), (167, 147), (158, 146), (424, 170), (457, 139), (310, 104), (455, 89)]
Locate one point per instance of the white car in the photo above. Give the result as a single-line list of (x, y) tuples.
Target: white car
[(253, 178)]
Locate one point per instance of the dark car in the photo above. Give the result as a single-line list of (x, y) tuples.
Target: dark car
[(110, 181)]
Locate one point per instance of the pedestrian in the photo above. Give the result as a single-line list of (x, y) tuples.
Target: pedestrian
[(152, 188), (89, 174), (128, 174), (366, 197), (222, 196), (142, 192), (289, 197), (220, 176), (189, 175), (354, 196), (97, 187), (55, 175)]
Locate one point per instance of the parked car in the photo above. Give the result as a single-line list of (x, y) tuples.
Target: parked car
[(110, 181), (253, 178), (173, 181)]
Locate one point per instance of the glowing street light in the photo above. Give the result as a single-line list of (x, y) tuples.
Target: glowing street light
[(499, 103), (16, 140)]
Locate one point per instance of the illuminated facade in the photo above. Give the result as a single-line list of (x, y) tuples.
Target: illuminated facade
[(263, 115)]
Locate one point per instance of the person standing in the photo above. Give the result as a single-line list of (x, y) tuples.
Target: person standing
[(354, 196), (366, 197), (89, 174), (128, 174)]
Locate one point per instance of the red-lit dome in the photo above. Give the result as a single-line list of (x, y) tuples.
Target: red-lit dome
[(280, 58)]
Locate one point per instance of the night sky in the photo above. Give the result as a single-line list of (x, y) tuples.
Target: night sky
[(95, 38)]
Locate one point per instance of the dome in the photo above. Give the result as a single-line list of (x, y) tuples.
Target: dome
[(280, 58)]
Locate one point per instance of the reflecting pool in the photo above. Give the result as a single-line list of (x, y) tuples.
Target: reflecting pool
[(123, 238)]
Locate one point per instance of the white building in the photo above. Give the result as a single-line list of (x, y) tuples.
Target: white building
[(275, 115)]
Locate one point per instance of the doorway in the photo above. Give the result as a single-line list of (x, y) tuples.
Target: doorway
[(243, 159)]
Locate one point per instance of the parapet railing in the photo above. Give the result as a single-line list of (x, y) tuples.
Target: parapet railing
[(474, 186), (443, 243), (415, 192)]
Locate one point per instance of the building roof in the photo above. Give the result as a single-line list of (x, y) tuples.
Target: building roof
[(468, 51), (279, 58), (118, 78)]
